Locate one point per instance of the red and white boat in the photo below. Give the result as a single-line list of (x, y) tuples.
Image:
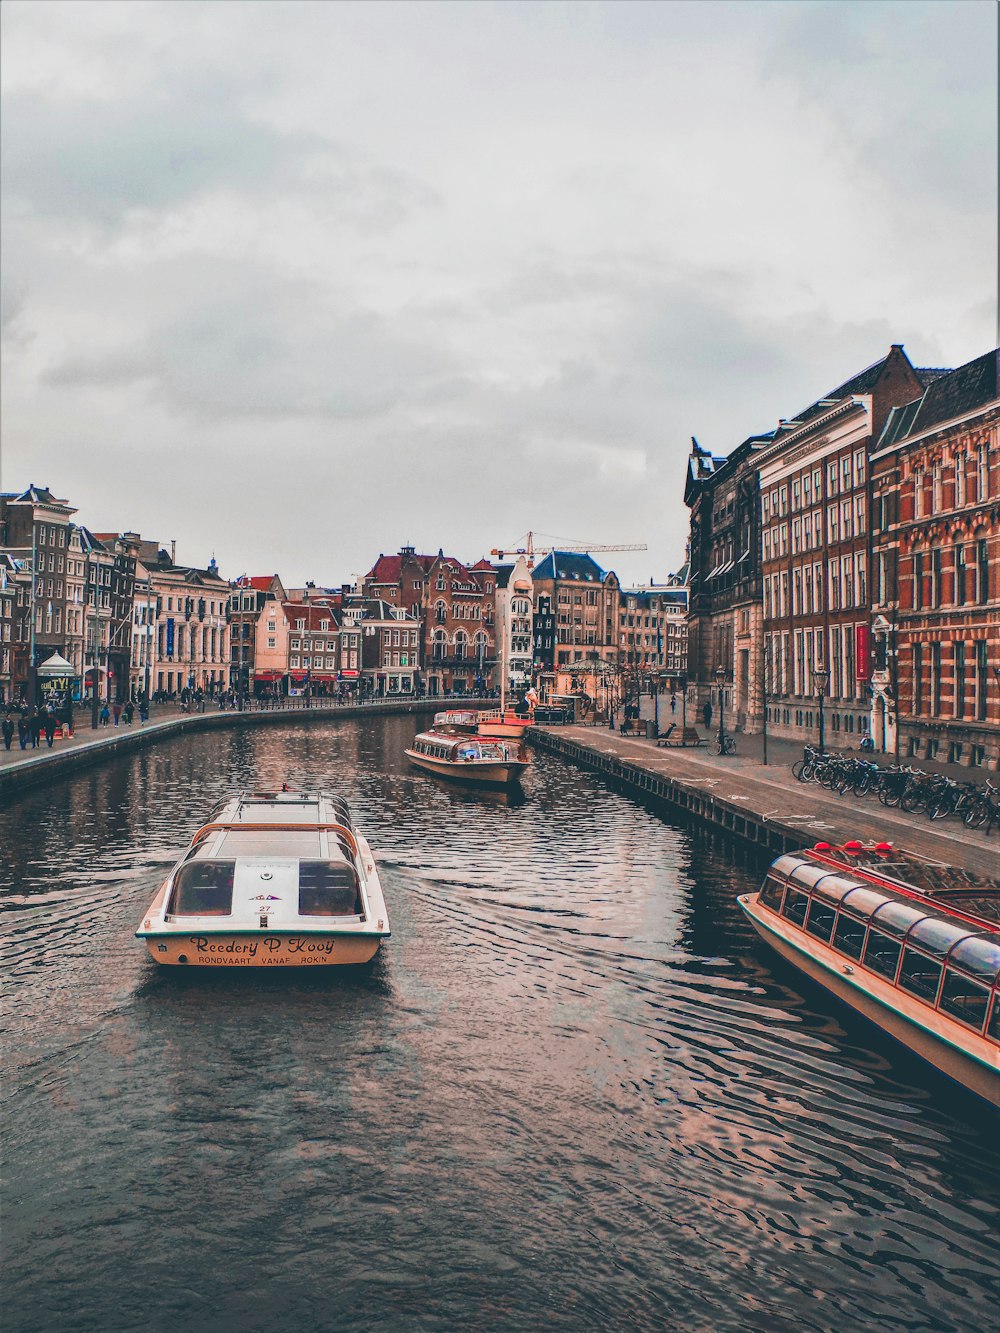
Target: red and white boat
[(912, 944), (476, 759)]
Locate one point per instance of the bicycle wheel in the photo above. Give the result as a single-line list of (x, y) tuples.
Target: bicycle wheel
[(798, 769), (976, 815)]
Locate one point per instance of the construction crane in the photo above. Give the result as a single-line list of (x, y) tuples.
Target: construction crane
[(530, 549)]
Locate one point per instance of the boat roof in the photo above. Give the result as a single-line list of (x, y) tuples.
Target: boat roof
[(283, 824), (952, 888), (284, 806), (950, 913)]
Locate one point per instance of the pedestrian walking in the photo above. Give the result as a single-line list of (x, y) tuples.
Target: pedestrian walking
[(8, 731), (143, 712), (706, 713), (128, 712), (105, 715), (117, 713), (673, 703), (49, 726), (35, 727)]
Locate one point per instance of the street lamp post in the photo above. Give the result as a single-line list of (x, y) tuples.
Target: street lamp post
[(821, 678), (720, 677)]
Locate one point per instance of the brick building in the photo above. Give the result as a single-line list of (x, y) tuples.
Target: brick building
[(936, 593), (724, 607), (455, 604), (34, 530), (816, 553)]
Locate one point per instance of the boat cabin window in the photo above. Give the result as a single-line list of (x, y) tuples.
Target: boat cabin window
[(834, 888), (978, 956), (862, 902), (771, 893), (849, 936), (919, 975), (882, 954), (964, 999), (937, 936), (328, 888), (994, 1028), (203, 888), (897, 918), (820, 920), (808, 876), (795, 906)]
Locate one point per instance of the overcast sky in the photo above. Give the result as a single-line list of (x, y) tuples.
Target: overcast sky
[(296, 283)]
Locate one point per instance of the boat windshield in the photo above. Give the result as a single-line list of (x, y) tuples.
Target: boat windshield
[(203, 888), (328, 888)]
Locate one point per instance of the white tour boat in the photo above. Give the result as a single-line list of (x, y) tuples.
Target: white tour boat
[(911, 944), (275, 879), (478, 759)]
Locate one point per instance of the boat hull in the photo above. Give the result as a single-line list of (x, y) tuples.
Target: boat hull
[(261, 949), (475, 772), (974, 1064)]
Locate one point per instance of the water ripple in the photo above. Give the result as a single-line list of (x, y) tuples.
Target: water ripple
[(573, 1092)]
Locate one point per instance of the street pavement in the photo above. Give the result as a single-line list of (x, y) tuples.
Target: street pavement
[(771, 791)]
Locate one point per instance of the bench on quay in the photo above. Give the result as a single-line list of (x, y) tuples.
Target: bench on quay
[(685, 736)]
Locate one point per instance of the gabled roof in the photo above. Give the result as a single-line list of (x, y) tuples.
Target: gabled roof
[(311, 612), (388, 568), (571, 565), (38, 495), (946, 398)]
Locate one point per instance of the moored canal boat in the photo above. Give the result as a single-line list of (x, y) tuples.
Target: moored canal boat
[(911, 944), (475, 759), (274, 879)]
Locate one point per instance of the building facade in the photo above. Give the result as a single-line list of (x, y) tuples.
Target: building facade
[(814, 483), (936, 572), (725, 643), (514, 625), (34, 530)]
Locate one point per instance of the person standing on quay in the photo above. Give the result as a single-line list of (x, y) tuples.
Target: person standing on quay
[(35, 727), (105, 717), (128, 713), (8, 731), (143, 710), (706, 713), (23, 730), (118, 713), (49, 724)]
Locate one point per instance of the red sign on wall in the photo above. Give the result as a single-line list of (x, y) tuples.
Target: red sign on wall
[(862, 651)]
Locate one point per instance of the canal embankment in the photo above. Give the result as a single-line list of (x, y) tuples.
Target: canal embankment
[(85, 747), (759, 805)]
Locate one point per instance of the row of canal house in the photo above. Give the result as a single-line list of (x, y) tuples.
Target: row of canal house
[(82, 609), (847, 561)]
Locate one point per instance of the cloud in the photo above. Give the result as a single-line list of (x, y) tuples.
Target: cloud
[(493, 264)]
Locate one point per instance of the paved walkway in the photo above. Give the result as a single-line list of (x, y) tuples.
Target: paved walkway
[(772, 792)]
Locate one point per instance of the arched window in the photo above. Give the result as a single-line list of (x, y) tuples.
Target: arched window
[(440, 612), (439, 644), (461, 643)]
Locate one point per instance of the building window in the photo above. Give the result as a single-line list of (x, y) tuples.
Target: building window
[(918, 678), (959, 481), (918, 580), (959, 650), (982, 571), (959, 561), (982, 678), (935, 680), (983, 473)]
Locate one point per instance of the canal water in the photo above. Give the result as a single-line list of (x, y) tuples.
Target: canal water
[(574, 1092)]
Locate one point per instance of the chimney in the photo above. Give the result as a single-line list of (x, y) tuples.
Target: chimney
[(173, 552)]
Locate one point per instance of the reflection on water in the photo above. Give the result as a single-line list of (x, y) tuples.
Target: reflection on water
[(573, 1091)]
